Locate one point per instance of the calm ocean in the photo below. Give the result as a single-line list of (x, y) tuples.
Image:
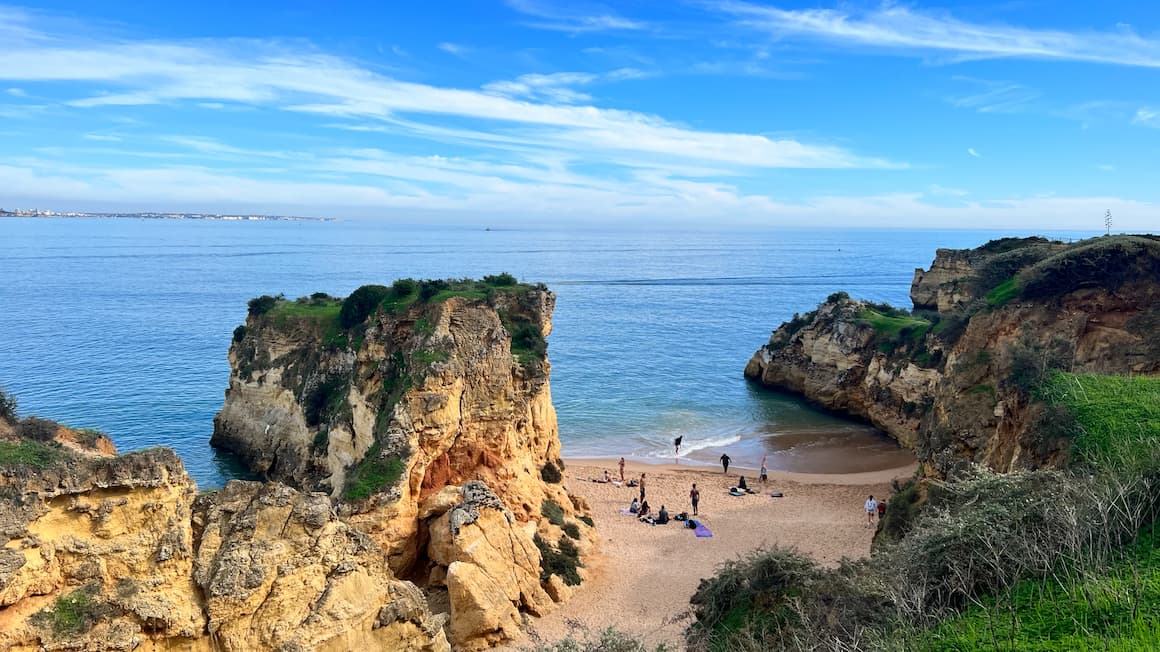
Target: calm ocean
[(124, 324)]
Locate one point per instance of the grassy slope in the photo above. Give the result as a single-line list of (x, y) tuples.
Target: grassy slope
[(1116, 609)]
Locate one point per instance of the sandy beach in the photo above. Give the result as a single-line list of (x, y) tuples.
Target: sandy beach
[(643, 576)]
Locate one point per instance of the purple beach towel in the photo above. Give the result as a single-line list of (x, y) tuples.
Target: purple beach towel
[(702, 531)]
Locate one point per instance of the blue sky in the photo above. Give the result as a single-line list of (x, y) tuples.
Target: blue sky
[(1022, 114)]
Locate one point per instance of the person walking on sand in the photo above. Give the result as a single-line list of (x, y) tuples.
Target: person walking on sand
[(622, 469), (677, 445), (695, 497), (871, 510), (725, 462), (642, 487), (764, 470)]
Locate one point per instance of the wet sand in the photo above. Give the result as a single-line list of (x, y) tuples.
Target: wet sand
[(643, 576)]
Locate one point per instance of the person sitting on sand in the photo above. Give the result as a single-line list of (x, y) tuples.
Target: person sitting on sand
[(634, 508), (644, 509), (607, 477), (662, 516), (741, 484)]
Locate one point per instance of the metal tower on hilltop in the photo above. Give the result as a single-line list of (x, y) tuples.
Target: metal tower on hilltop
[(1108, 222)]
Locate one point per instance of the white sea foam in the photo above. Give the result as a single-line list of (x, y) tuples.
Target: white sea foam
[(693, 445)]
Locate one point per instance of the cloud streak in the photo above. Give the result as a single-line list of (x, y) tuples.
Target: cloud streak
[(896, 28)]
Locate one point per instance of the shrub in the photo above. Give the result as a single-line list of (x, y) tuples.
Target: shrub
[(572, 530), (7, 406), (240, 333), (403, 287), (372, 474), (587, 520), (324, 400), (553, 512), (549, 473), (263, 304), (1032, 362), (527, 340), (500, 280), (428, 288), (360, 304), (563, 561), (608, 640), (38, 429), (837, 296), (74, 613)]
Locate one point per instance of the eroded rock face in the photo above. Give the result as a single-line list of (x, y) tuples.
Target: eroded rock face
[(950, 391), (113, 532), (120, 554), (279, 571), (491, 568)]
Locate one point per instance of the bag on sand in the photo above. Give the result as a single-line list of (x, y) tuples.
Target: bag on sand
[(683, 516)]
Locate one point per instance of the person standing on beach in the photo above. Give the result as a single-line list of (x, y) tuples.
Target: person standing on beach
[(642, 487), (695, 497), (871, 510), (677, 444), (622, 469), (725, 462), (764, 470)]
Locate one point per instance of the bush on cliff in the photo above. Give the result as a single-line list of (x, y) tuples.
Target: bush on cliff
[(261, 305), (373, 474), (38, 429), (74, 613), (7, 406), (33, 454), (553, 512), (360, 304), (549, 473), (562, 560), (608, 640)]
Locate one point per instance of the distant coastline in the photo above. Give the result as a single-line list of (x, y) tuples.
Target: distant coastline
[(230, 217)]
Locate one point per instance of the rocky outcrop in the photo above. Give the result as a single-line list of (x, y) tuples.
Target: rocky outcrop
[(120, 554), (954, 379), (279, 571), (437, 386)]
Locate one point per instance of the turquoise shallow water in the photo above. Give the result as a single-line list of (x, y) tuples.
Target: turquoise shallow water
[(124, 324)]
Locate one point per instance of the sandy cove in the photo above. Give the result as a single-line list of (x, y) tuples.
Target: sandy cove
[(643, 577)]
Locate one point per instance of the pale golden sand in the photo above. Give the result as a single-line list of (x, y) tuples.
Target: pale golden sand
[(644, 575)]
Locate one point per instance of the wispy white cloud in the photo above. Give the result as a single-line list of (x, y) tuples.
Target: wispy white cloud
[(16, 92), (574, 17), (1104, 167), (1147, 116), (942, 191), (899, 28), (103, 138), (268, 74), (558, 88), (453, 48), (972, 152), (987, 96)]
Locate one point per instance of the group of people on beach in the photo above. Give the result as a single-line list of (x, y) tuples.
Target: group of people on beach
[(643, 511)]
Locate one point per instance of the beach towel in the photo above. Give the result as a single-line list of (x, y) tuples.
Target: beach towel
[(627, 512), (734, 492), (701, 531)]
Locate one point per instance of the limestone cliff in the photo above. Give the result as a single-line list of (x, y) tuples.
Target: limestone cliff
[(393, 399), (955, 378), (119, 553)]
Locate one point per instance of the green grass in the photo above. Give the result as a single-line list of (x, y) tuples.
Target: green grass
[(1004, 292), (28, 453), (322, 311), (372, 475), (1114, 610), (71, 614), (430, 356), (893, 325), (1111, 410)]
